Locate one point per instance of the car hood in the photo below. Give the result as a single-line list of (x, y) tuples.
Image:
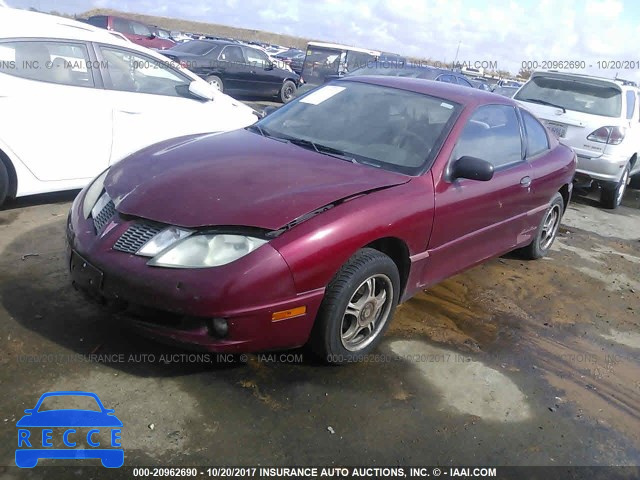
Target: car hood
[(235, 178), (69, 418)]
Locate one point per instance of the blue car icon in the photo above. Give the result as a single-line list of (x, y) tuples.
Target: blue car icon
[(31, 448)]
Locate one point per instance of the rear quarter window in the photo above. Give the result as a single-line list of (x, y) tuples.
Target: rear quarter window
[(537, 140)]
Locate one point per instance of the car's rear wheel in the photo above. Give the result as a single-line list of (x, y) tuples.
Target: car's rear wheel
[(357, 307), (4, 182), (547, 230), (612, 195), (215, 82), (287, 91)]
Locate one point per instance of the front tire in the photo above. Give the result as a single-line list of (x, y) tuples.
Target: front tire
[(357, 308), (215, 82), (611, 197), (547, 230), (287, 91), (4, 182)]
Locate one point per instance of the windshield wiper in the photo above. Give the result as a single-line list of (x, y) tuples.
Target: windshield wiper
[(543, 102), (256, 128), (323, 149), (265, 133)]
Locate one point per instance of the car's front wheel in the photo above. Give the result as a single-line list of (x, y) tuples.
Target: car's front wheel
[(287, 91), (611, 195), (357, 308), (547, 230), (215, 82)]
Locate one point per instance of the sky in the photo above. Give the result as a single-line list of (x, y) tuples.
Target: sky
[(502, 31)]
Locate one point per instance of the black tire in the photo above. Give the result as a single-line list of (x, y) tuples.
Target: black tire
[(635, 181), (288, 91), (327, 337), (4, 182), (216, 82), (541, 243), (612, 194)]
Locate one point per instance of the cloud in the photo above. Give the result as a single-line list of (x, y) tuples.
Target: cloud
[(509, 32)]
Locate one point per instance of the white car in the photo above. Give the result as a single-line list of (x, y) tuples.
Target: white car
[(599, 118), (74, 99)]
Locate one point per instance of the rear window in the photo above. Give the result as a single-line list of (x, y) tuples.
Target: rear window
[(573, 94), (195, 47)]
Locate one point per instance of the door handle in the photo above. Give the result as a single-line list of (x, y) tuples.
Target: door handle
[(525, 181)]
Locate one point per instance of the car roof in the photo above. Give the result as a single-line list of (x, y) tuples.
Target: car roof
[(449, 91)]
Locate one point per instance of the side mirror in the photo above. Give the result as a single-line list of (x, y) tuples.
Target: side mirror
[(201, 90), (151, 36), (269, 66), (472, 168)]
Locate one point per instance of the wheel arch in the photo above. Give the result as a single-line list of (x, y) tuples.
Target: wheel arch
[(13, 177), (566, 196), (398, 251)]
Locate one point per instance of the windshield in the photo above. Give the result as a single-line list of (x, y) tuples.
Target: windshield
[(196, 47), (383, 127), (573, 94), (66, 402)]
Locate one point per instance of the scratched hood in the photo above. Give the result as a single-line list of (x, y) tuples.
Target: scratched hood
[(235, 178)]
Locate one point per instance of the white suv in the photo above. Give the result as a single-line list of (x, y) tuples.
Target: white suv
[(74, 99), (599, 118)]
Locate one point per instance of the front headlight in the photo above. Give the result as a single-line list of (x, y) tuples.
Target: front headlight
[(93, 194), (207, 250)]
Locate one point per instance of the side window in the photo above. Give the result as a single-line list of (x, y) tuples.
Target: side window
[(232, 53), (493, 134), (631, 103), (140, 29), (537, 140), (256, 57), (123, 26), (130, 71), (463, 82), (52, 62)]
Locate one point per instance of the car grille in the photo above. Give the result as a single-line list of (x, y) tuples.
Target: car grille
[(107, 212), (136, 236)]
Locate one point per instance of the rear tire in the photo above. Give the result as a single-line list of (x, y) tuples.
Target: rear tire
[(288, 91), (4, 182), (547, 230), (611, 195), (215, 82), (357, 308)]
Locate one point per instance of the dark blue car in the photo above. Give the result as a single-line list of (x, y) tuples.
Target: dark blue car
[(31, 448)]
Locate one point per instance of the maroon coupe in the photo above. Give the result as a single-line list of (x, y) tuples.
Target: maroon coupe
[(312, 224)]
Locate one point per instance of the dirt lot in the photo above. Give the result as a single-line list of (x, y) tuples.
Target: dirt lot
[(511, 363)]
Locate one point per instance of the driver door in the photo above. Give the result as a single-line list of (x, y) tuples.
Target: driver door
[(147, 104)]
